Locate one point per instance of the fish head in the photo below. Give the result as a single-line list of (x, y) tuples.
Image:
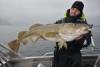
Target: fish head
[(72, 31), (83, 29)]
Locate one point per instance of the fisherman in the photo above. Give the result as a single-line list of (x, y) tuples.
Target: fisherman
[(71, 56)]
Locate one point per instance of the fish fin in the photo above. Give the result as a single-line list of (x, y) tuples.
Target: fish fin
[(34, 26), (14, 45), (34, 38), (65, 45), (21, 34), (26, 36), (24, 41), (20, 37), (62, 44)]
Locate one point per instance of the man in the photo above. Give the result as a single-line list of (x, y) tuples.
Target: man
[(71, 56)]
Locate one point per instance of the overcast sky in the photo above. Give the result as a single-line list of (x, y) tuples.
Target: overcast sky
[(27, 12)]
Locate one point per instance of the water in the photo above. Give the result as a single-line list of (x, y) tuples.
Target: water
[(8, 33)]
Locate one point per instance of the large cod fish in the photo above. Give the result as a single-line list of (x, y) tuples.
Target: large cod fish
[(51, 32)]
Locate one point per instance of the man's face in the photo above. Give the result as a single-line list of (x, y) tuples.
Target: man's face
[(74, 12)]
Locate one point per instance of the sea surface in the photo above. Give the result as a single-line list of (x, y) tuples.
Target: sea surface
[(9, 33)]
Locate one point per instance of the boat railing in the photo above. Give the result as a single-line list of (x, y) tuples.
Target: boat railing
[(35, 61), (5, 55)]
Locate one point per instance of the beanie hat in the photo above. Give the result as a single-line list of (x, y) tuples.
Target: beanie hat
[(79, 5)]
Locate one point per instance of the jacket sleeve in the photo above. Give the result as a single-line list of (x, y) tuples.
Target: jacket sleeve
[(85, 21), (58, 22), (88, 39), (88, 36)]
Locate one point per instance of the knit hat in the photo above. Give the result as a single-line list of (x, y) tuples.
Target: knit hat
[(79, 5)]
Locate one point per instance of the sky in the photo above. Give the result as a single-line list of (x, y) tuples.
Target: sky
[(28, 12)]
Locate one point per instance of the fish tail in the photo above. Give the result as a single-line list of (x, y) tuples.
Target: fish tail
[(14, 45)]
